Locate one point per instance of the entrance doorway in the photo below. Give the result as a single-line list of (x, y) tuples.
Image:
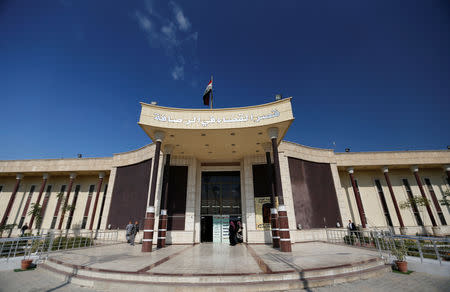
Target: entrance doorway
[(220, 203)]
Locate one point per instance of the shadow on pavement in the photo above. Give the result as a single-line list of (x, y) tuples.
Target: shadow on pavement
[(300, 271), (68, 280)]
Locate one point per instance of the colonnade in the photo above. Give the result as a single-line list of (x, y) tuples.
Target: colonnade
[(279, 219), (45, 178), (415, 171)]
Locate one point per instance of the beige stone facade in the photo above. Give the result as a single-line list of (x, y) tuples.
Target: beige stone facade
[(231, 140)]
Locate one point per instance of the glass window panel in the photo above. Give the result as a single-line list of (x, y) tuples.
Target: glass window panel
[(220, 194), (227, 199)]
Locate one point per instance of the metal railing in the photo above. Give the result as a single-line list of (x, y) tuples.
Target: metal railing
[(54, 240), (385, 242)]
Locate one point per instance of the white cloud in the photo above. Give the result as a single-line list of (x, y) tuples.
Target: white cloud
[(172, 34), (169, 33), (183, 21), (149, 6), (144, 22), (178, 73)]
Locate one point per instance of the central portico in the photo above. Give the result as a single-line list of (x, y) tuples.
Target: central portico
[(223, 135), (219, 147)]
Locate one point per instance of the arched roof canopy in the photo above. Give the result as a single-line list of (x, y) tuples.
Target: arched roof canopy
[(217, 134)]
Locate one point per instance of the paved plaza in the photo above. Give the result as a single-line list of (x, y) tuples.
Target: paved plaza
[(121, 266), (42, 280), (214, 258)]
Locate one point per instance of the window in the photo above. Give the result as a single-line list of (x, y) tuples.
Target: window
[(88, 204), (91, 190), (31, 190), (27, 204), (44, 204), (102, 206), (53, 222), (48, 191), (435, 201), (221, 194), (83, 225), (60, 198), (414, 206), (30, 195), (74, 203), (383, 202)]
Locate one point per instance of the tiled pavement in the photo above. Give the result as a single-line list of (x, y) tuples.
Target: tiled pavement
[(198, 260), (42, 280), (414, 282), (218, 259), (311, 255), (214, 258), (116, 257)]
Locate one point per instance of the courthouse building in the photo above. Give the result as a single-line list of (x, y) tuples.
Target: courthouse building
[(213, 166)]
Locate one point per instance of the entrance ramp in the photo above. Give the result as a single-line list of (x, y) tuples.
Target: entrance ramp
[(209, 266)]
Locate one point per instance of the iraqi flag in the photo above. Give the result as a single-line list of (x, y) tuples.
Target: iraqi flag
[(207, 94)]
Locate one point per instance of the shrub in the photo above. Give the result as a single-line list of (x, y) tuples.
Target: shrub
[(399, 252), (349, 239), (61, 242)]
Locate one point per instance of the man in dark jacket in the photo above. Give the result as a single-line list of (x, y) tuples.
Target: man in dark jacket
[(24, 227), (351, 227)]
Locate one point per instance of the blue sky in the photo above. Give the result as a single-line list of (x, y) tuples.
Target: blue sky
[(368, 75)]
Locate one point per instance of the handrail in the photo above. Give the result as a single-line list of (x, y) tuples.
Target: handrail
[(385, 242), (54, 240)]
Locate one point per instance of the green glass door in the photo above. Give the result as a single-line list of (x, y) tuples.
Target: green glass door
[(221, 201)]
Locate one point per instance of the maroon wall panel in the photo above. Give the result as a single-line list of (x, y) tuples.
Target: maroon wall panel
[(176, 204), (129, 196), (314, 194), (262, 186)]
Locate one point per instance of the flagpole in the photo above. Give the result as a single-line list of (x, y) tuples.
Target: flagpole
[(212, 83)]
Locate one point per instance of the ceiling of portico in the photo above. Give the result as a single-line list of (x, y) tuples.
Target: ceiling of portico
[(218, 134)]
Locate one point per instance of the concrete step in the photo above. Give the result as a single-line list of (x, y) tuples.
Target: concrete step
[(342, 269), (117, 280)]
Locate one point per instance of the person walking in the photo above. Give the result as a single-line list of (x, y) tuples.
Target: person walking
[(132, 235), (24, 227), (239, 235), (232, 233), (129, 231), (351, 227), (353, 231)]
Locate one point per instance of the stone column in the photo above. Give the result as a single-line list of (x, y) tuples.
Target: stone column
[(273, 209), (101, 175), (66, 201), (415, 170), (41, 190), (285, 238), (362, 215), (394, 201), (19, 177), (149, 221), (162, 226)]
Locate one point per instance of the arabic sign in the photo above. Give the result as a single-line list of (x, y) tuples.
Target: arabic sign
[(238, 118), (262, 212)]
